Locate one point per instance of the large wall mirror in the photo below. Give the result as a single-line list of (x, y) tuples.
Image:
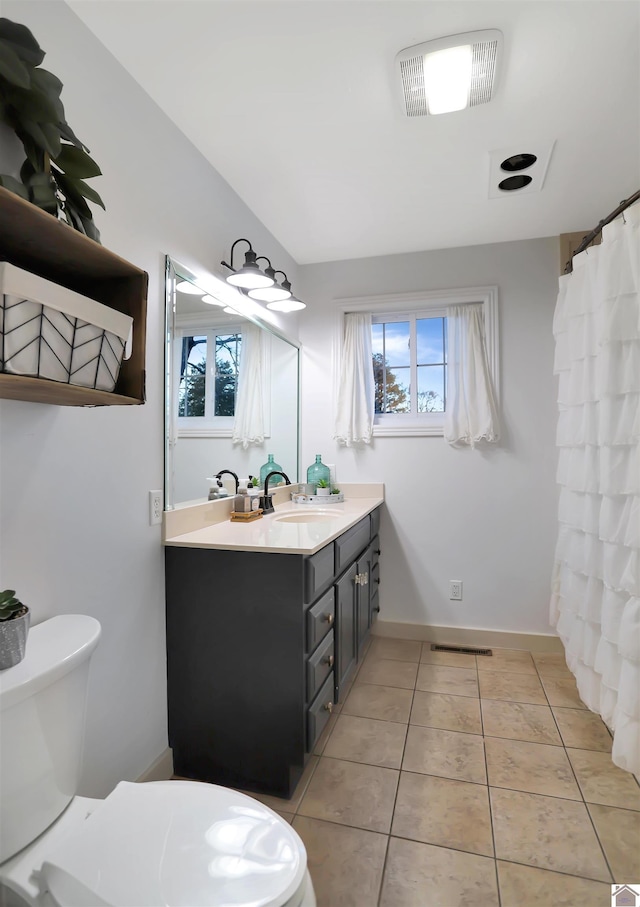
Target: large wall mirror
[(231, 389)]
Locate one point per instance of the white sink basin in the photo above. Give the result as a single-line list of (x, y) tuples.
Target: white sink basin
[(313, 516)]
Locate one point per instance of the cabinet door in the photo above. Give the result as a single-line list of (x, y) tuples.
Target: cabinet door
[(346, 646), (363, 597)]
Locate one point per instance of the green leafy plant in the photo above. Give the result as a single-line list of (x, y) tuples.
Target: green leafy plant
[(255, 481), (10, 606), (57, 163), (323, 483), (335, 491)]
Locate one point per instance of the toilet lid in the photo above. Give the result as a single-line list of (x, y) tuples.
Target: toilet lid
[(179, 844)]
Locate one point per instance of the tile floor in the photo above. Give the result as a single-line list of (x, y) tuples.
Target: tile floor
[(450, 780)]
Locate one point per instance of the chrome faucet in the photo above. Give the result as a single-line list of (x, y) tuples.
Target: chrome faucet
[(265, 500), (228, 472)]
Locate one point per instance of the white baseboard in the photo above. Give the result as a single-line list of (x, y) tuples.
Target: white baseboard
[(468, 636), (160, 770)]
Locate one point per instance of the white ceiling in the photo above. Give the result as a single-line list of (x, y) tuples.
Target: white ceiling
[(295, 104)]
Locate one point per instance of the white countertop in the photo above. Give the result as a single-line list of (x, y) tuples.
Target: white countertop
[(271, 533)]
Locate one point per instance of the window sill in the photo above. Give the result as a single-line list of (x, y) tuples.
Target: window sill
[(407, 431), (205, 433)]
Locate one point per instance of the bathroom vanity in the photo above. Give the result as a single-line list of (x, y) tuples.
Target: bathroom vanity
[(265, 625)]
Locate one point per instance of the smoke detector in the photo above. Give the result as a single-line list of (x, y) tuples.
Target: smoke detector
[(449, 73)]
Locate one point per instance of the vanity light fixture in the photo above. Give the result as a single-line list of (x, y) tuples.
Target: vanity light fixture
[(211, 300), (185, 286), (450, 73), (249, 276), (276, 293), (292, 304), (277, 296)]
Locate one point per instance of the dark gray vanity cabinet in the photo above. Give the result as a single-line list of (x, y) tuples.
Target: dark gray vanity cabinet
[(259, 646)]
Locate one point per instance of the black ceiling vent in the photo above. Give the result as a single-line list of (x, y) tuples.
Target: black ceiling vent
[(463, 650)]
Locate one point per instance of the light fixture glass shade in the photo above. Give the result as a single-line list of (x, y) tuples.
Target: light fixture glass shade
[(231, 311), (185, 286), (286, 305), (211, 300), (249, 278), (447, 79), (270, 294)]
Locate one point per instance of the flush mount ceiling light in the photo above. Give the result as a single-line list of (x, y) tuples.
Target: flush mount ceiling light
[(249, 276), (211, 300), (449, 73)]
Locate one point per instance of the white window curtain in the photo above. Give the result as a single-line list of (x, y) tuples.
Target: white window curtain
[(595, 603), (471, 412), (248, 426), (354, 418)]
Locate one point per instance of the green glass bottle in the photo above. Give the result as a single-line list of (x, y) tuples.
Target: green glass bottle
[(318, 471), (271, 466)]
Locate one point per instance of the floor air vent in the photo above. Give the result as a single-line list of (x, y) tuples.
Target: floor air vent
[(464, 650)]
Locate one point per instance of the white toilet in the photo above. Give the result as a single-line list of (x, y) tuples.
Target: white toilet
[(158, 844)]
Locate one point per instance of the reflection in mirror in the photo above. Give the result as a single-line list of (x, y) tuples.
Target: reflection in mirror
[(231, 391)]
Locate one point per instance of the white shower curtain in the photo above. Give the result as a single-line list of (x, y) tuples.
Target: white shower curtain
[(595, 602), (248, 425)]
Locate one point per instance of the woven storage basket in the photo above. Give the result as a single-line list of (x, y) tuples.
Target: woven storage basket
[(48, 331)]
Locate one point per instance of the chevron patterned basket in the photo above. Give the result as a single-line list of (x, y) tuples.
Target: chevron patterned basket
[(48, 331)]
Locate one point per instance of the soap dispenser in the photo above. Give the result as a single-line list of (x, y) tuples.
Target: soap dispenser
[(318, 471)]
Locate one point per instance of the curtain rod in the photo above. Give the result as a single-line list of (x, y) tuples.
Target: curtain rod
[(588, 239)]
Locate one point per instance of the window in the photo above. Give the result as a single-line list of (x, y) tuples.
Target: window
[(409, 363), (208, 370), (409, 348)]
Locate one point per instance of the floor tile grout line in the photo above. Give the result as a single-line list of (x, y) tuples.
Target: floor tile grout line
[(486, 769)]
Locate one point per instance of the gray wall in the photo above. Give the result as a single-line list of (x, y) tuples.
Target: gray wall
[(484, 516)]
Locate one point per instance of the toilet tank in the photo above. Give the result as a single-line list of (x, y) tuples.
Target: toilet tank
[(42, 712)]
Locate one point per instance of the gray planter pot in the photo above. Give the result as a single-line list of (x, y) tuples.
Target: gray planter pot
[(13, 640)]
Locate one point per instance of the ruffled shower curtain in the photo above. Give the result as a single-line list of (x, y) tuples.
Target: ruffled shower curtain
[(595, 602)]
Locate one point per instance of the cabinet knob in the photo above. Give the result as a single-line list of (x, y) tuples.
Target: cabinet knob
[(329, 618), (377, 580), (329, 660), (328, 706), (377, 551)]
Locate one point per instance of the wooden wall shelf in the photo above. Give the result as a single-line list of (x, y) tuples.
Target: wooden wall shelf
[(38, 242)]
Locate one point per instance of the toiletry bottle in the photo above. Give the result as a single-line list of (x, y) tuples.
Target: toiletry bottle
[(318, 471), (271, 466), (242, 501)]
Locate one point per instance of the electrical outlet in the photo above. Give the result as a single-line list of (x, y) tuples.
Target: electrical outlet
[(155, 508), (455, 590)]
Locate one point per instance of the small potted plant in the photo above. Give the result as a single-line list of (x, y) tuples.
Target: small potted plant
[(14, 627), (324, 487)]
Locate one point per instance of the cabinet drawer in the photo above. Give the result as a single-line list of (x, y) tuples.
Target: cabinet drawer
[(319, 666), (351, 543), (320, 619), (319, 712), (319, 571)]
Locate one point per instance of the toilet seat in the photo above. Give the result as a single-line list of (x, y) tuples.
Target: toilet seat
[(180, 844)]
